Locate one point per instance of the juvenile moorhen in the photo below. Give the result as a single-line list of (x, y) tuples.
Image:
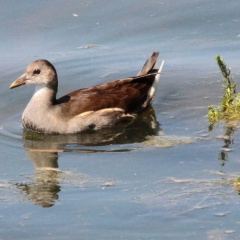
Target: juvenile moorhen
[(89, 108)]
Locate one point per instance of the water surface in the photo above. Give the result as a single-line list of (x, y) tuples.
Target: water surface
[(163, 177)]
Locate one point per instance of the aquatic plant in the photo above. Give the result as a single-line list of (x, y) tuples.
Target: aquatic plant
[(229, 109), (236, 184)]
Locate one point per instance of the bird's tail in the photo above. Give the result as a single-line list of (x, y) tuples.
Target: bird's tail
[(148, 68), (149, 64)]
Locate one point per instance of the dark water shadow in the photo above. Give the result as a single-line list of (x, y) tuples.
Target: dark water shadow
[(228, 140), (42, 150)]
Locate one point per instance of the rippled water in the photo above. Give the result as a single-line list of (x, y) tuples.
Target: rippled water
[(164, 176)]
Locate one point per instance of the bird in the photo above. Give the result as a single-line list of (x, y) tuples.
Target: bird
[(91, 108)]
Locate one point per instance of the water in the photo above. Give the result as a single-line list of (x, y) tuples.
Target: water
[(163, 177)]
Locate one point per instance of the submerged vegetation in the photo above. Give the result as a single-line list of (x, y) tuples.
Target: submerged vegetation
[(229, 110)]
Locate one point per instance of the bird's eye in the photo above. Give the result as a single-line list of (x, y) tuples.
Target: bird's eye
[(36, 71)]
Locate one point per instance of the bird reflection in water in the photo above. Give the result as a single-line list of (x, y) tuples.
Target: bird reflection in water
[(42, 150), (44, 187)]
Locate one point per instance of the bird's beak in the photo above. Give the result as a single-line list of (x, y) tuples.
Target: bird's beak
[(19, 82)]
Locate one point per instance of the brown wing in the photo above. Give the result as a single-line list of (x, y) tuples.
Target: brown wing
[(128, 94)]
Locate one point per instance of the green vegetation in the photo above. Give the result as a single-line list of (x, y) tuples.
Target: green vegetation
[(229, 110), (236, 184)]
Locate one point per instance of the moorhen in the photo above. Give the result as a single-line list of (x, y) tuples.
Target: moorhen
[(90, 108)]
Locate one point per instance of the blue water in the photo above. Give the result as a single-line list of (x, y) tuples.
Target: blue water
[(164, 177)]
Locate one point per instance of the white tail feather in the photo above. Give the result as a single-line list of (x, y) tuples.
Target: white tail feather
[(152, 90)]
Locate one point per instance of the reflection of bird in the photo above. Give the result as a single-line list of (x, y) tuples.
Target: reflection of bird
[(44, 189), (85, 109)]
